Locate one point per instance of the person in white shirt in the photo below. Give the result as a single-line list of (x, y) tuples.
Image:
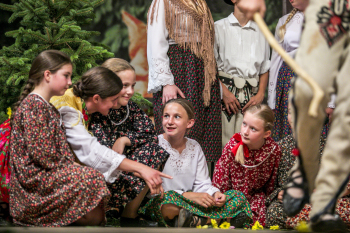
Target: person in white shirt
[(97, 91), (242, 55), (190, 199), (180, 40)]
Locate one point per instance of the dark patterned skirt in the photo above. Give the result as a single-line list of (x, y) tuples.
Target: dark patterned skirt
[(127, 186), (236, 202), (188, 71)]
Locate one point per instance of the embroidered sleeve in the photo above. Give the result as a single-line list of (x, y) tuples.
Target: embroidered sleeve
[(87, 149), (222, 174), (142, 130), (202, 183), (157, 48)]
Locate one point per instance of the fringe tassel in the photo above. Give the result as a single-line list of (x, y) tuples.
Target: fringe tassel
[(196, 24)]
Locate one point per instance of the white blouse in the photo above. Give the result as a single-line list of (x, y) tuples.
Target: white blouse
[(86, 147), (188, 169), (290, 44), (241, 51)]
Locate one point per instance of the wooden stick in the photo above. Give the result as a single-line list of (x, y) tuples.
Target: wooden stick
[(317, 91)]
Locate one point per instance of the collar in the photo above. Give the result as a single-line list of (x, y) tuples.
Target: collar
[(234, 22)]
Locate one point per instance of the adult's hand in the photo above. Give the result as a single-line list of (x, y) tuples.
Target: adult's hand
[(257, 99), (230, 101), (171, 92), (280, 196), (249, 7), (202, 199), (120, 144), (220, 199), (329, 112)]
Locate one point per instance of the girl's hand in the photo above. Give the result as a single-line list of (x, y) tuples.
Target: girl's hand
[(257, 99), (153, 179), (230, 101), (171, 92), (220, 199), (280, 196), (202, 199), (120, 144)]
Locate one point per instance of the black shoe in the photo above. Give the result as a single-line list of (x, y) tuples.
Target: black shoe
[(335, 225), (136, 222), (188, 219), (292, 205), (239, 220)]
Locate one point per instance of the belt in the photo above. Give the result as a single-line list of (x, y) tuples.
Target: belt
[(237, 81)]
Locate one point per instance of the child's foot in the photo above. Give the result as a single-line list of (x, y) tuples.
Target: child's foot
[(188, 219), (328, 223), (239, 220)]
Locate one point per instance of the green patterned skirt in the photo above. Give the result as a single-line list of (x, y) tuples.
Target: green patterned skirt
[(236, 202)]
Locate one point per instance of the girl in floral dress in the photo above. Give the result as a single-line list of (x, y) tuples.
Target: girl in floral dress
[(129, 131), (249, 162), (98, 91), (190, 199), (47, 187)]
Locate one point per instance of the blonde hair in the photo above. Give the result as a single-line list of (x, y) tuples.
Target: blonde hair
[(117, 65), (263, 112), (282, 29)]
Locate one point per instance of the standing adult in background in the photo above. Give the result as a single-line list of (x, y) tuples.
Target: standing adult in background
[(242, 55), (180, 41)]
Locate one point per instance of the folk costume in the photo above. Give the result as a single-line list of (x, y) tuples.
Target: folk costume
[(190, 173), (280, 76), (323, 55), (47, 189), (242, 55), (180, 40), (131, 122), (275, 211), (255, 178)]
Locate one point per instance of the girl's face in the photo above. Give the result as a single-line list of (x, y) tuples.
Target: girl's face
[(253, 132), (128, 78), (300, 4), (97, 104), (60, 81), (175, 120)]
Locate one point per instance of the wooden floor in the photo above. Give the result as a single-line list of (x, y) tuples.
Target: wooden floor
[(119, 229)]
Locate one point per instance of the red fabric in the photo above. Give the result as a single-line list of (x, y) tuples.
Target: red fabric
[(4, 161), (256, 183), (238, 138)]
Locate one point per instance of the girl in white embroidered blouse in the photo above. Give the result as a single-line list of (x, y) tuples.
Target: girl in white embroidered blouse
[(190, 199)]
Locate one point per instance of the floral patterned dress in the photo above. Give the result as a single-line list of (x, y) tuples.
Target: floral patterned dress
[(256, 182), (46, 188), (131, 122), (275, 212)]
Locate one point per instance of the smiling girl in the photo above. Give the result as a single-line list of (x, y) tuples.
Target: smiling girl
[(249, 162), (190, 199), (127, 130)]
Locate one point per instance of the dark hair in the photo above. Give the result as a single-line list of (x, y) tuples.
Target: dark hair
[(263, 112), (117, 65), (51, 60), (187, 105), (100, 81)]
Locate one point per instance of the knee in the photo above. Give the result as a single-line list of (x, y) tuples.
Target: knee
[(95, 217)]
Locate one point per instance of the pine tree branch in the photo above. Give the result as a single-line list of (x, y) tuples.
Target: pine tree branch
[(48, 34), (65, 9)]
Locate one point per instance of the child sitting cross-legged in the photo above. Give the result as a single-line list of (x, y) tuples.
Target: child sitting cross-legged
[(190, 199)]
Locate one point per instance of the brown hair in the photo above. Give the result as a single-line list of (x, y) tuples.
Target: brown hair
[(263, 112), (282, 29), (187, 105), (100, 81), (117, 65), (51, 60)]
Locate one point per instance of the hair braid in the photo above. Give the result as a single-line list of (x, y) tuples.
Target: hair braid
[(282, 29)]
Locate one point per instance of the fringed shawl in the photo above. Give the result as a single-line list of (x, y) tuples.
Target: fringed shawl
[(199, 37)]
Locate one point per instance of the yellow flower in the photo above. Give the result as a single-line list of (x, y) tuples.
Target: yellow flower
[(302, 227), (199, 226), (9, 112), (205, 227), (225, 225), (275, 227), (214, 223), (257, 226)]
